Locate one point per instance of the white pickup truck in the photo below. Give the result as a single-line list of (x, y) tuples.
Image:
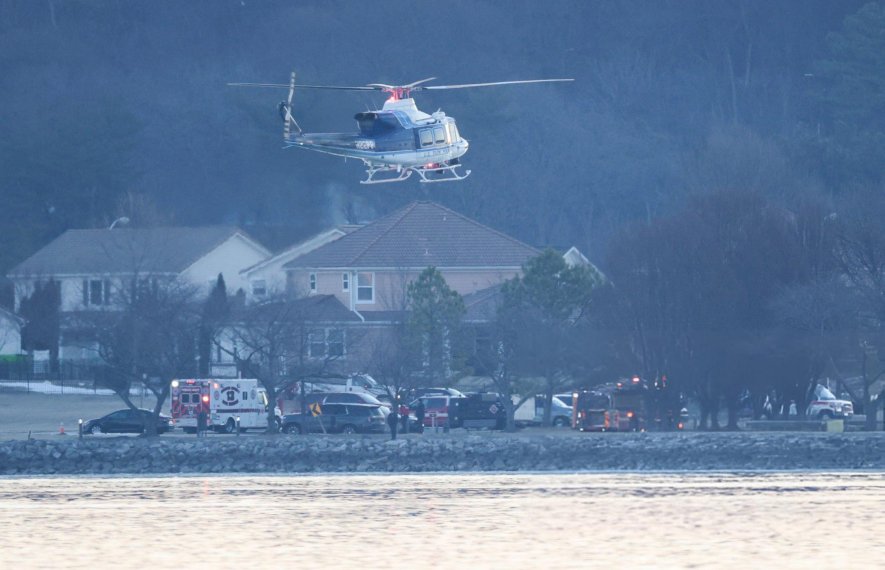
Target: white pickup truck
[(826, 406)]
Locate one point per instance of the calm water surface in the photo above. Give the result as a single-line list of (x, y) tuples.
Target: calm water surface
[(758, 520)]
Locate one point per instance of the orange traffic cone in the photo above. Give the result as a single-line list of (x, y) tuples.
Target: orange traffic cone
[(61, 428)]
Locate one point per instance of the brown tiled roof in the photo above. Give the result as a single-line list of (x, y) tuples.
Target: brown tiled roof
[(482, 305), (315, 308), (125, 250), (421, 234)]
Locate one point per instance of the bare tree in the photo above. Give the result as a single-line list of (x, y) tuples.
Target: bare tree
[(148, 339), (861, 255), (286, 340)]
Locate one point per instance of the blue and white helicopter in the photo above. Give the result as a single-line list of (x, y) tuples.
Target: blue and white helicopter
[(395, 141)]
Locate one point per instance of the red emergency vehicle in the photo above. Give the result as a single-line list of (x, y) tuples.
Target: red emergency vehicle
[(591, 411), (628, 405)]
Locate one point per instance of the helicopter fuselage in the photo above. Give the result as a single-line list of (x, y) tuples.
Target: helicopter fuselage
[(397, 136)]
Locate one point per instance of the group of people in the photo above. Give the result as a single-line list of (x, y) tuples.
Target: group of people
[(401, 417)]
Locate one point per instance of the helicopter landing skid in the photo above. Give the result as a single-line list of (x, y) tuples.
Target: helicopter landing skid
[(449, 173), (402, 174)]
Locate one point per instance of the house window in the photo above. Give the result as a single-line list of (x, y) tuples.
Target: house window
[(259, 288), (316, 343), (313, 282), (345, 281), (96, 292), (326, 343), (335, 342), (365, 287)]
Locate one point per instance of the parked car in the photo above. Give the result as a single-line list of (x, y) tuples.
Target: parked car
[(422, 392), (568, 399), (354, 398), (338, 418), (827, 406), (126, 421), (293, 406), (353, 383)]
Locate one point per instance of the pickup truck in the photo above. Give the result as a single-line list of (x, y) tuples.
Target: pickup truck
[(826, 406)]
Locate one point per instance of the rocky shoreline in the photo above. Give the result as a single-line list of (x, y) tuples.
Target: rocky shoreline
[(688, 451)]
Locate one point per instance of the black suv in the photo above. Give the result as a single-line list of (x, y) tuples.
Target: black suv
[(478, 411), (338, 418)]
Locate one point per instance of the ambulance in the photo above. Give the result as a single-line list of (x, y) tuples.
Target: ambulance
[(223, 400)]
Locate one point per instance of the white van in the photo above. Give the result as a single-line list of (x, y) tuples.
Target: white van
[(531, 412)]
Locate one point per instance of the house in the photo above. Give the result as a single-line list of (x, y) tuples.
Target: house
[(368, 269), (91, 266), (267, 278), (318, 329), (92, 269), (359, 279)]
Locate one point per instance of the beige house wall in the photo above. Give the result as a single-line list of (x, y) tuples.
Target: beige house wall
[(391, 284)]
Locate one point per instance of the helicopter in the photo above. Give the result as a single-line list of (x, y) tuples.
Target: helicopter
[(396, 140)]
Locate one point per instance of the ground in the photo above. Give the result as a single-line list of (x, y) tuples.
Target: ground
[(42, 414)]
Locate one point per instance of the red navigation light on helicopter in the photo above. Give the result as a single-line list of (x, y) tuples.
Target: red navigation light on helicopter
[(636, 379)]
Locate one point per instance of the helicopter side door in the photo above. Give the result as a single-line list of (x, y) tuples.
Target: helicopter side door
[(433, 136)]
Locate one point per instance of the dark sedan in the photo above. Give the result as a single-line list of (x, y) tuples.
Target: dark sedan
[(126, 421)]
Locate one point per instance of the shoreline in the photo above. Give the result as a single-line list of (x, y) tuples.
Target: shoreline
[(380, 474), (461, 453)]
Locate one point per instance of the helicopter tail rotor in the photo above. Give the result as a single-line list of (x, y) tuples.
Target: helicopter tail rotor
[(286, 111)]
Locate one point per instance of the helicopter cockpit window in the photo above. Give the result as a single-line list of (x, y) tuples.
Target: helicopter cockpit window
[(453, 132), (439, 134), (426, 137)]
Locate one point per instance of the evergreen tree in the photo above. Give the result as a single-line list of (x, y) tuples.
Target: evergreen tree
[(539, 318), (434, 320), (215, 311), (41, 313)]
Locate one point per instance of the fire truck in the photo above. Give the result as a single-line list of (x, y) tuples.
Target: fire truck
[(591, 411), (627, 405), (224, 401)]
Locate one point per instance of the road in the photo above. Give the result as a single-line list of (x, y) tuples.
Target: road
[(42, 415)]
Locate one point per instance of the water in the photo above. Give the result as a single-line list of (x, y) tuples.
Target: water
[(477, 521)]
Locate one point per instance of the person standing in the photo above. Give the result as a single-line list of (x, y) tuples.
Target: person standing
[(419, 415), (392, 419), (201, 423)]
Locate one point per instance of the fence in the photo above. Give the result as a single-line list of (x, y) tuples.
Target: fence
[(23, 373)]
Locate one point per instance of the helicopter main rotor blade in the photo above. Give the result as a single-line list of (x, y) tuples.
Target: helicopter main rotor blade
[(286, 86), (413, 85), (469, 85)]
